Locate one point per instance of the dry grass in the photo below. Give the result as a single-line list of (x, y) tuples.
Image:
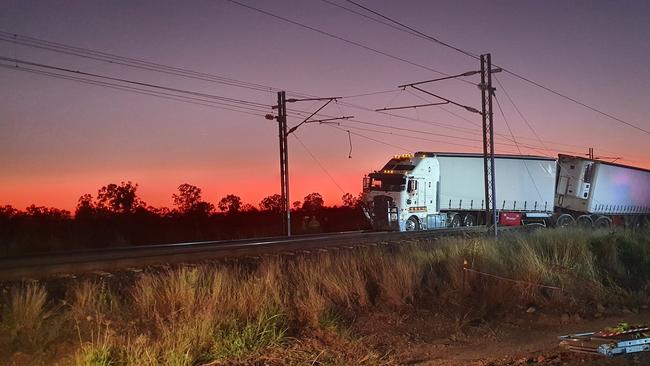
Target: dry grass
[(236, 312), (91, 301), (24, 317)]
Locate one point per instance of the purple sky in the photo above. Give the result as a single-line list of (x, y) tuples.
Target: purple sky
[(60, 139)]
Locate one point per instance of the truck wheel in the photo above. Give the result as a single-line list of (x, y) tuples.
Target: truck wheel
[(456, 221), (469, 220), (585, 222), (603, 222), (412, 224), (565, 220)]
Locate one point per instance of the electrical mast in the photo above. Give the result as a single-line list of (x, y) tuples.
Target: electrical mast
[(284, 153), (284, 160), (487, 91)]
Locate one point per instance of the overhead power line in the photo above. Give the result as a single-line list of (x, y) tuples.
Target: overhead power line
[(172, 70), (138, 83), (112, 56), (523, 78), (473, 132), (354, 43), (367, 137), (137, 63), (163, 95), (436, 40), (532, 180), (319, 164), (520, 115), (128, 61), (594, 109)]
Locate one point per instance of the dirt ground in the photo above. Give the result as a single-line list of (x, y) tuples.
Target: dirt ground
[(429, 338)]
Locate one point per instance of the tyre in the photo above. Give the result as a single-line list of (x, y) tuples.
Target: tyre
[(565, 220), (469, 220), (412, 224), (645, 222), (456, 221), (603, 222), (585, 222)]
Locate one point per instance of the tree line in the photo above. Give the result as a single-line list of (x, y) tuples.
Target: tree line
[(117, 216)]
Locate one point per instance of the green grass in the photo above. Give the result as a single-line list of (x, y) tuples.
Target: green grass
[(236, 341), (240, 312), (98, 351)]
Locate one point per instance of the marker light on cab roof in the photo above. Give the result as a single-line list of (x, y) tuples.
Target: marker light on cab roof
[(403, 156)]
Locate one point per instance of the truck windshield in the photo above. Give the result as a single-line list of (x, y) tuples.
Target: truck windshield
[(393, 184)]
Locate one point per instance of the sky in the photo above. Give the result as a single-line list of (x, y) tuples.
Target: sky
[(60, 138)]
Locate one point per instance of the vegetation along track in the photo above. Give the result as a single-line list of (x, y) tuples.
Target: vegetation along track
[(39, 266)]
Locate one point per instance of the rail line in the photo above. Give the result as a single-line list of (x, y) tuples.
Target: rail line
[(45, 265)]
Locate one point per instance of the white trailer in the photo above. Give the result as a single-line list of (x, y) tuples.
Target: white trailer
[(597, 193), (428, 190)]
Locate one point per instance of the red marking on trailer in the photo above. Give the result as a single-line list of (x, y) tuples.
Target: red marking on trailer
[(510, 219)]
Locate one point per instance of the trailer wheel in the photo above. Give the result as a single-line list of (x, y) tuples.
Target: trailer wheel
[(469, 220), (412, 224), (633, 222), (456, 221), (645, 222), (585, 222), (565, 220), (603, 222)]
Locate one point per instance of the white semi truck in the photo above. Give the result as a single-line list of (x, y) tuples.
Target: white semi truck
[(429, 190), (597, 193)]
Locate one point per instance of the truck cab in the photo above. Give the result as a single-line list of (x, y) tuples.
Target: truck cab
[(402, 195)]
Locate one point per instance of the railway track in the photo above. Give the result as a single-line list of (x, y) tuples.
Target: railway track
[(46, 265)]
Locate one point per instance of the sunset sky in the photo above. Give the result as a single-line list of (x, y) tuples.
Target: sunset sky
[(60, 139)]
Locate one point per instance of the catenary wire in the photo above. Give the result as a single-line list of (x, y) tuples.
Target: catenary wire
[(127, 61), (533, 181), (355, 43), (139, 83), (512, 73), (190, 73), (319, 163), (521, 115), (436, 40), (185, 99), (367, 137), (112, 58)]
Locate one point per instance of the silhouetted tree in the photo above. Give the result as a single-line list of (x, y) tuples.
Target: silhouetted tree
[(119, 199), (230, 204), (247, 207), (272, 203), (7, 211), (40, 211), (188, 200), (85, 206), (348, 200), (160, 211), (312, 202), (296, 205)]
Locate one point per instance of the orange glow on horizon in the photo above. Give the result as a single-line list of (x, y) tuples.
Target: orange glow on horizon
[(157, 187)]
